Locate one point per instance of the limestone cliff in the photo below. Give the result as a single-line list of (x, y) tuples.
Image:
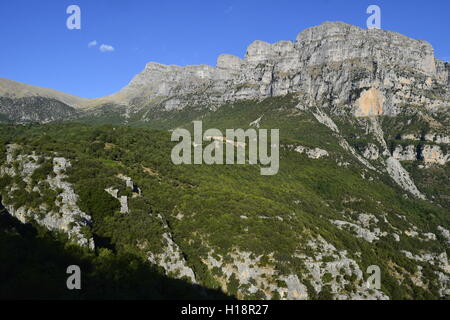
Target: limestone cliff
[(336, 65), (366, 72)]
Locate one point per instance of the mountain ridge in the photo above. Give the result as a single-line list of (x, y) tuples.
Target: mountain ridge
[(363, 119), (16, 89), (287, 67)]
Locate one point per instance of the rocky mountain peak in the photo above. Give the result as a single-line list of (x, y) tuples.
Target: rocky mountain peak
[(336, 65), (333, 62), (229, 62), (340, 41)]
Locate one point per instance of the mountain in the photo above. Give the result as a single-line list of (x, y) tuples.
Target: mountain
[(363, 176), (332, 63), (335, 65)]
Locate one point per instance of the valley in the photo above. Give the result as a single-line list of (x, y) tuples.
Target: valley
[(362, 181)]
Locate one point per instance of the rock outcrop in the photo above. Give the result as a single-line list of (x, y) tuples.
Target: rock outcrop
[(253, 277), (348, 69), (371, 152), (372, 72), (63, 215), (402, 177), (336, 65), (347, 85), (434, 155), (171, 259), (407, 153), (338, 266), (429, 154), (315, 153)]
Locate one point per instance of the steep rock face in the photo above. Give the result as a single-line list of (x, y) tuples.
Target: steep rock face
[(367, 72), (408, 153), (254, 277), (367, 44), (171, 259), (447, 67), (370, 103), (122, 199), (430, 154), (308, 263), (326, 66), (371, 152), (445, 233), (437, 138), (63, 215), (340, 264), (343, 67), (360, 232), (434, 155), (429, 137)]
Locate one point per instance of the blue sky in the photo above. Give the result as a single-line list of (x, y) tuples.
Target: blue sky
[(37, 48)]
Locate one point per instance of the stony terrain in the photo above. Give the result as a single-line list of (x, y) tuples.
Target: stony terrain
[(63, 214), (364, 121)]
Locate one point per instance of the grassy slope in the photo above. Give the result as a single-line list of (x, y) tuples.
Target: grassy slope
[(305, 194)]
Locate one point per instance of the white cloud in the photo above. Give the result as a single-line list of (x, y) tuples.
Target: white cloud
[(92, 43), (106, 48)]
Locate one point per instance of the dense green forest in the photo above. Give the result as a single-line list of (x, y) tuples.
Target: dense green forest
[(223, 208)]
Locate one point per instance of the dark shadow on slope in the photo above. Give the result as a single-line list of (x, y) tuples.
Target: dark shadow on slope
[(103, 242), (34, 263)]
